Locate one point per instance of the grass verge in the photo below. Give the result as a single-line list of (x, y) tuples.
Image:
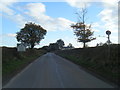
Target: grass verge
[(96, 59), (13, 61)]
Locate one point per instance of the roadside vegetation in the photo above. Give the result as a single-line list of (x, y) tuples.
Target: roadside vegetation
[(102, 60), (13, 61)]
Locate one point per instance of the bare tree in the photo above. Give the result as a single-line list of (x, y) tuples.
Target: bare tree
[(81, 30)]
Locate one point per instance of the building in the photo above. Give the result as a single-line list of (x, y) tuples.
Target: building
[(21, 47)]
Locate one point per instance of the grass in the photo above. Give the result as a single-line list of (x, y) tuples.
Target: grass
[(13, 61), (96, 59)]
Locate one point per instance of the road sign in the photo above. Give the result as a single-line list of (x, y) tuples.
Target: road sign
[(108, 32)]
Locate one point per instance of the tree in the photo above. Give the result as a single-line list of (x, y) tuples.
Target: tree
[(31, 34), (53, 47), (45, 48), (81, 30), (70, 45), (60, 43)]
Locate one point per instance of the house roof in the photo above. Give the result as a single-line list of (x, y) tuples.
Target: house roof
[(20, 44)]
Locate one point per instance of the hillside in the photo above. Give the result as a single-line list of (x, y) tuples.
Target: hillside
[(102, 60), (13, 61)]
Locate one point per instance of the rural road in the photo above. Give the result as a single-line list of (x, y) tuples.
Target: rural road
[(52, 71)]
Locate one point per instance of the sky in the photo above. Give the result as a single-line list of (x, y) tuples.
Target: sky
[(56, 16)]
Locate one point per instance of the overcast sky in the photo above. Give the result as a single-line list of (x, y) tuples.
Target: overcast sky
[(56, 18)]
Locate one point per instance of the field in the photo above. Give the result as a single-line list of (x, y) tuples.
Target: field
[(13, 61), (102, 60)]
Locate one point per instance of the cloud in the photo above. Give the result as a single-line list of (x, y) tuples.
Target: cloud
[(5, 6), (37, 12), (11, 35), (87, 3), (35, 9), (110, 4), (8, 35), (109, 16), (110, 10), (73, 41), (6, 9), (79, 3), (55, 24)]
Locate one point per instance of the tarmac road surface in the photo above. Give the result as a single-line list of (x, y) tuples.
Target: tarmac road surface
[(53, 71)]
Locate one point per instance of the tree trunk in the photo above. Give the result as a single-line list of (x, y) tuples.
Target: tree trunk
[(83, 44), (32, 46)]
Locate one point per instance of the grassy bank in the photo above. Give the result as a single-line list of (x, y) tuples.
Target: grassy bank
[(100, 60), (13, 61)]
